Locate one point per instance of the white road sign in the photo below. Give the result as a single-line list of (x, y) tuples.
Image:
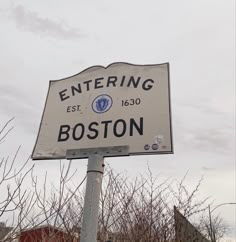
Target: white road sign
[(120, 105)]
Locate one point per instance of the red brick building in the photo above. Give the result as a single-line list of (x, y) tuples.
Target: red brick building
[(46, 234)]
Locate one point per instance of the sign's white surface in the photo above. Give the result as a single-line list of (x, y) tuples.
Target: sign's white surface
[(122, 104)]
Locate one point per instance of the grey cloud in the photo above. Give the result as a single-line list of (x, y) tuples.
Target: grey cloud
[(204, 128), (213, 139), (204, 168), (30, 21), (16, 103), (216, 140)]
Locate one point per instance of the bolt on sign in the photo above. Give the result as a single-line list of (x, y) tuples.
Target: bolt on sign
[(119, 105)]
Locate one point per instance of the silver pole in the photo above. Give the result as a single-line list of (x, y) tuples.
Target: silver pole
[(92, 196), (94, 183), (211, 229)]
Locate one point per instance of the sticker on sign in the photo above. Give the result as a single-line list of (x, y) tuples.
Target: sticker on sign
[(119, 105)]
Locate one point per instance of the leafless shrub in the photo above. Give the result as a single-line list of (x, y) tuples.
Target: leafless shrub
[(216, 231), (12, 177), (137, 210), (142, 209)]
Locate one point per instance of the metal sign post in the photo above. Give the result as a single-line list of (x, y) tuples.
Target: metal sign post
[(118, 110), (93, 186), (91, 201)]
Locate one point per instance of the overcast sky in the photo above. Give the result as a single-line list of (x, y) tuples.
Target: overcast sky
[(52, 39)]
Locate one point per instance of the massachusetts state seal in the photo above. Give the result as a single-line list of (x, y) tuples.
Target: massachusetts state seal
[(102, 103)]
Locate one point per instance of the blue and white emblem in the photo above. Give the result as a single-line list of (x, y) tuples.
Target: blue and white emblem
[(102, 103)]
